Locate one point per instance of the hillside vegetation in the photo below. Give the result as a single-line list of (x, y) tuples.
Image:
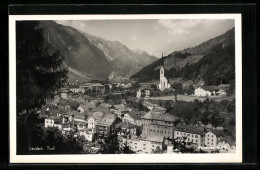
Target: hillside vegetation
[(212, 61)]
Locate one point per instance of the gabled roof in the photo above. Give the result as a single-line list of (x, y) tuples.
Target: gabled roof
[(102, 109), (96, 115), (87, 106), (152, 115), (135, 114), (218, 133), (125, 125), (228, 139), (189, 129), (209, 88), (153, 138)]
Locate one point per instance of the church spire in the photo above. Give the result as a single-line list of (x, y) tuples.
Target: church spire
[(162, 60)]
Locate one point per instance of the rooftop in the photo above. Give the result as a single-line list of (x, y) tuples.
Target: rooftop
[(152, 115), (136, 114), (189, 129), (125, 125)]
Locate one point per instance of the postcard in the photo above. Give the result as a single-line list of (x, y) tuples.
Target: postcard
[(164, 88)]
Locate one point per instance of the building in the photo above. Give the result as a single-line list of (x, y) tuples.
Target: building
[(64, 94), (144, 93), (212, 137), (75, 88), (126, 128), (103, 125), (119, 110), (158, 123), (98, 87), (209, 91), (88, 134), (226, 144), (193, 134), (92, 121), (164, 84), (134, 117), (144, 145), (86, 107), (53, 121)]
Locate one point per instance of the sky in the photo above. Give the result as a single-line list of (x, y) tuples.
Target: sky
[(155, 36)]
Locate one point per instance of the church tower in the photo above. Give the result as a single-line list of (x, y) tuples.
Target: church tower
[(162, 69)]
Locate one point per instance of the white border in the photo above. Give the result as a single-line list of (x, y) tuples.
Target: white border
[(135, 158)]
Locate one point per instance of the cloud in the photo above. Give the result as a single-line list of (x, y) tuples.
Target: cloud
[(186, 27), (133, 38)]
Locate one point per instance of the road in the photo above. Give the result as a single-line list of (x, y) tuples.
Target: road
[(191, 98)]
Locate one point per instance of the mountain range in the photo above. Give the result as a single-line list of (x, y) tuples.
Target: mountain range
[(92, 57), (212, 61)]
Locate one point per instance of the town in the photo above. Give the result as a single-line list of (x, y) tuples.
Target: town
[(146, 124)]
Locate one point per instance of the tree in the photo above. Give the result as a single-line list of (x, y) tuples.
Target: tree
[(114, 145), (38, 71), (180, 145)]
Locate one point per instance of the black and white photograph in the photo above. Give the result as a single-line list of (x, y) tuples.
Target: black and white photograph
[(138, 88)]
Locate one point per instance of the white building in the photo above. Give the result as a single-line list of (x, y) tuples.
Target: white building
[(205, 91), (193, 134), (163, 80), (144, 145), (212, 137)]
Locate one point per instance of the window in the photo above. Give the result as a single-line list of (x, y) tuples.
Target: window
[(136, 147), (144, 148), (144, 144), (165, 132), (212, 135), (211, 143), (177, 133), (136, 143), (157, 131), (191, 135), (196, 140), (212, 140), (188, 134), (208, 142), (196, 136), (152, 145)]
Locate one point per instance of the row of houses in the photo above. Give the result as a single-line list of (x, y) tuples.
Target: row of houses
[(211, 90), (158, 126)]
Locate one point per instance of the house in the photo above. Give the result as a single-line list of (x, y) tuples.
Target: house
[(144, 145), (64, 93), (143, 93), (158, 123), (126, 128), (92, 121), (134, 117), (119, 110), (226, 144), (86, 107), (193, 134), (212, 137), (80, 124), (53, 121), (103, 125), (88, 134), (98, 87), (205, 91), (75, 88)]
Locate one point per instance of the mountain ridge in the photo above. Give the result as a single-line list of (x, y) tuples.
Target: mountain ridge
[(183, 63), (92, 56)]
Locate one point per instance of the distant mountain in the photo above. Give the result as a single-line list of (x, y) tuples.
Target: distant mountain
[(92, 57), (209, 61)]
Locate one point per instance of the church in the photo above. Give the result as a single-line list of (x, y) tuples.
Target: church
[(163, 80)]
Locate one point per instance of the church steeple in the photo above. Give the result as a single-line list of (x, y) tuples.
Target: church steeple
[(162, 60)]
